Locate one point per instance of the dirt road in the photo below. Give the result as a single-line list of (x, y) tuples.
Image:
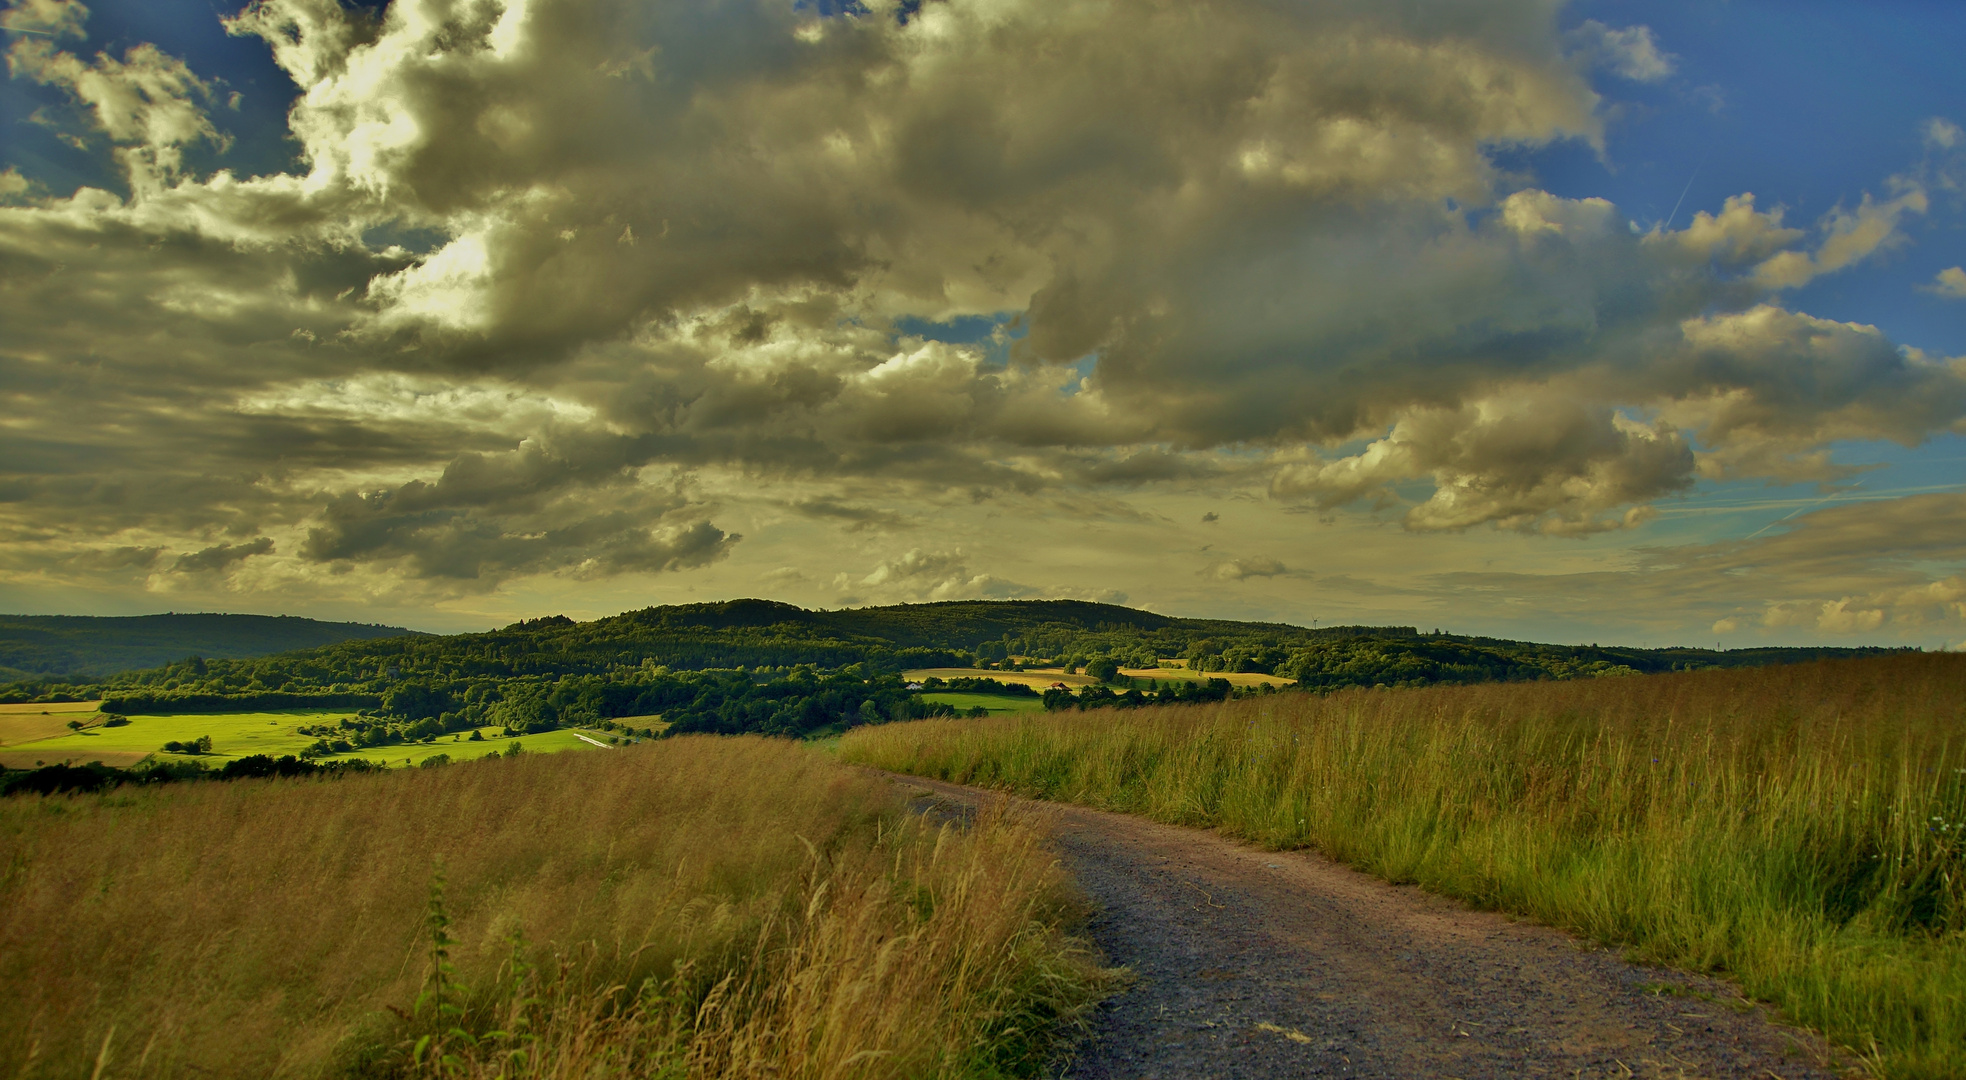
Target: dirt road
[(1259, 964)]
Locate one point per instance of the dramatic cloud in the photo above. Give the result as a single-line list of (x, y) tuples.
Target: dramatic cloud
[(580, 289)]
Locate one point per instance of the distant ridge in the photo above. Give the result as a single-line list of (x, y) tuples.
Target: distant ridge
[(89, 646), (144, 669)]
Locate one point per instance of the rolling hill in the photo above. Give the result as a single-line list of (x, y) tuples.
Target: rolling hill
[(87, 646)]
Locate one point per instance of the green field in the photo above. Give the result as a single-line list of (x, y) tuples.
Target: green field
[(237, 735), (996, 703)]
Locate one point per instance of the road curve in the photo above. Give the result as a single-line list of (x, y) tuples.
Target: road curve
[(1262, 964)]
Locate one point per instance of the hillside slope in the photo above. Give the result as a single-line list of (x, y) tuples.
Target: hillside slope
[(84, 646)]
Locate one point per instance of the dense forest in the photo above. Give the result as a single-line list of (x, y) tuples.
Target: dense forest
[(82, 647), (759, 666)]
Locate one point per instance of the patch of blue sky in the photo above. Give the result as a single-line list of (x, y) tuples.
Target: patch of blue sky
[(417, 241), (191, 31), (1077, 372), (1719, 511), (995, 333), (908, 9), (1808, 105)]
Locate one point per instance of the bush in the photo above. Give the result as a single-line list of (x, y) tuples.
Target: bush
[(57, 778)]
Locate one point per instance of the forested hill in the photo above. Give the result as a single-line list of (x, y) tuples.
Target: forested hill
[(83, 646), (765, 639)]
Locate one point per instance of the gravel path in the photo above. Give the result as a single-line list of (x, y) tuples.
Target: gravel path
[(1263, 964)]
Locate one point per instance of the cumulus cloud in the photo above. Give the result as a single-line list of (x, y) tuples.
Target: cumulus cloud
[(1949, 283), (930, 575), (1849, 236), (54, 18), (1768, 388), (1244, 569), (148, 103), (1630, 53), (1529, 461), (545, 266)]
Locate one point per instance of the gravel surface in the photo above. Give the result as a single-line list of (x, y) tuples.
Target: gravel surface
[(1262, 964)]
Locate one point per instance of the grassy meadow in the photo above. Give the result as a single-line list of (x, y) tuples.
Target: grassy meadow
[(242, 734), (998, 704), (696, 907), (1801, 829)]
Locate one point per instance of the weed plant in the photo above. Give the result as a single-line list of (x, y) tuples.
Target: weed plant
[(694, 908), (1798, 828)]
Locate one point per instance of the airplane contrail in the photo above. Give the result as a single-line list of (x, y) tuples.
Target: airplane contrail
[(1799, 509), (1682, 193)]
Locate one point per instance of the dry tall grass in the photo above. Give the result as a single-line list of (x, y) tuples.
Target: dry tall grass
[(1802, 828), (699, 907)]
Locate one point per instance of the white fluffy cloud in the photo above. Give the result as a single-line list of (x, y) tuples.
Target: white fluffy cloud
[(1630, 53), (1949, 283)]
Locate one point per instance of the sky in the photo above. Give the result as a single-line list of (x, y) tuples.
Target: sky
[(1586, 322)]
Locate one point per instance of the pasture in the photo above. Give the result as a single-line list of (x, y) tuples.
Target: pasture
[(237, 735), (996, 703)]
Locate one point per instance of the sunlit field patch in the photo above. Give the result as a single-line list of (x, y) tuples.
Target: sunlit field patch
[(42, 720), (275, 734), (1802, 829), (1171, 670), (1036, 679), (997, 704)]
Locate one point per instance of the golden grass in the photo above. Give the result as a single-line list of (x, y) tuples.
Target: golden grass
[(38, 707), (1802, 829), (42, 720), (35, 758), (698, 907)]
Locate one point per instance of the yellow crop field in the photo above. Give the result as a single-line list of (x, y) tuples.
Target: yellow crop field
[(41, 719), (1037, 680), (1167, 673), (1044, 678)]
